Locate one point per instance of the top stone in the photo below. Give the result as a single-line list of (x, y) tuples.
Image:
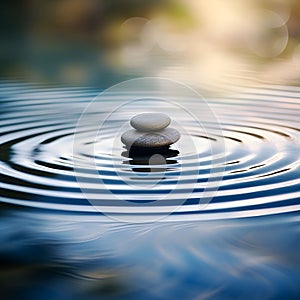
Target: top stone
[(148, 122)]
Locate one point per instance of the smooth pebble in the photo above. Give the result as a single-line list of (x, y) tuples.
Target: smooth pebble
[(160, 138), (150, 122)]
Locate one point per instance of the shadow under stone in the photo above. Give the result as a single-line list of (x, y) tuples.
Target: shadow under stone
[(150, 159)]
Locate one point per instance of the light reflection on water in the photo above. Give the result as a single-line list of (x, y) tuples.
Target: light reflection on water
[(63, 249), (244, 259)]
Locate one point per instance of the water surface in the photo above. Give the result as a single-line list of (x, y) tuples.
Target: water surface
[(242, 244)]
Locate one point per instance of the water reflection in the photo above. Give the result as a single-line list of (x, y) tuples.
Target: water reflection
[(47, 256), (150, 160)]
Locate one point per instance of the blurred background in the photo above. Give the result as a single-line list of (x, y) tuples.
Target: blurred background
[(100, 42)]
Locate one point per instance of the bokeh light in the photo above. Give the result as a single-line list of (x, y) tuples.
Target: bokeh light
[(212, 44)]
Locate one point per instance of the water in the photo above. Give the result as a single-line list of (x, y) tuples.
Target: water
[(227, 207)]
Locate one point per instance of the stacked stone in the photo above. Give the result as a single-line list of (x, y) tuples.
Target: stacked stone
[(150, 131)]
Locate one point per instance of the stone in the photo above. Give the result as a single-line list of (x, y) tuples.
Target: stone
[(161, 138), (150, 122)]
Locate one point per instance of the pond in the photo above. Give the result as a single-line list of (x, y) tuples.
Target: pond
[(217, 217)]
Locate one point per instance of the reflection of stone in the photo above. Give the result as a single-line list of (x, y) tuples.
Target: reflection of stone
[(154, 160), (150, 131)]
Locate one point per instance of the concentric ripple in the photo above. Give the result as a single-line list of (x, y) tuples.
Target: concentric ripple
[(260, 167)]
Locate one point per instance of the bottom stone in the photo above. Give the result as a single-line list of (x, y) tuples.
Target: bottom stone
[(162, 138)]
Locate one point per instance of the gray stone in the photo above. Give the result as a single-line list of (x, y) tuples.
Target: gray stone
[(150, 122), (162, 138)]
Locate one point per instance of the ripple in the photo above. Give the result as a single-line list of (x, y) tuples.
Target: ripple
[(259, 166)]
